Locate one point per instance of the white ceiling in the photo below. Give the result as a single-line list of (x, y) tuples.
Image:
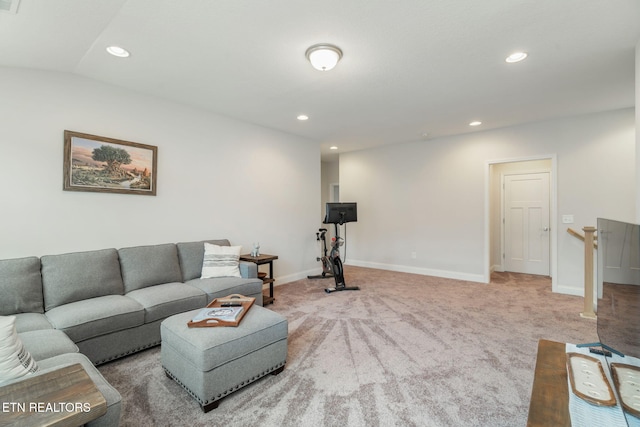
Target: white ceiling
[(409, 67)]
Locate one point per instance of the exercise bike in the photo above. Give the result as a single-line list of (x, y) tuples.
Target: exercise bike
[(327, 270), (336, 265)]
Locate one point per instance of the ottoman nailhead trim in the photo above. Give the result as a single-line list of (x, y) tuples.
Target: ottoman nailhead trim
[(188, 390), (224, 393), (126, 353)]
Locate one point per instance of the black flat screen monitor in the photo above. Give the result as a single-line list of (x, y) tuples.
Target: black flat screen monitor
[(618, 303), (341, 213)]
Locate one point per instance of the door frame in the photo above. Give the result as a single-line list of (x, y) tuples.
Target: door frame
[(553, 203)]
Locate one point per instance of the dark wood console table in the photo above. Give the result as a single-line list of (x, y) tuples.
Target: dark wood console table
[(550, 394), (259, 260)]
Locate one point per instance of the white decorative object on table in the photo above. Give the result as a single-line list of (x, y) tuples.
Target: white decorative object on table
[(256, 249)]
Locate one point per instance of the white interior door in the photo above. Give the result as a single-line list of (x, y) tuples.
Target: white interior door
[(526, 223)]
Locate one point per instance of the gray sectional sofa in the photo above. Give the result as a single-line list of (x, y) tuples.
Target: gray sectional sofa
[(109, 303)]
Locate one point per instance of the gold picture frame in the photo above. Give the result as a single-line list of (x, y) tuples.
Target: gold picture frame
[(106, 165)]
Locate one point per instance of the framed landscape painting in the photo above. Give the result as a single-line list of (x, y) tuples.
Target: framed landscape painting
[(96, 163)]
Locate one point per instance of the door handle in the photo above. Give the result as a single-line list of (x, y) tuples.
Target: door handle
[(545, 229)]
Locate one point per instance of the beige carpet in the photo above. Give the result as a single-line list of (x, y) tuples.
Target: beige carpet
[(405, 350)]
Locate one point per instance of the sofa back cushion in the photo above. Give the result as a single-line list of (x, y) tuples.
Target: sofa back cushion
[(191, 255), (144, 266), (78, 276), (20, 286)]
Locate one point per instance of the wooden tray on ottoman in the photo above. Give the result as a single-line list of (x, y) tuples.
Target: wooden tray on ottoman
[(211, 321)]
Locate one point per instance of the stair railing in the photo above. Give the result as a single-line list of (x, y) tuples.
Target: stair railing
[(589, 244)]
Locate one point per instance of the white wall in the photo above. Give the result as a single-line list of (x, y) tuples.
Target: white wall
[(429, 197), (217, 178), (330, 175)]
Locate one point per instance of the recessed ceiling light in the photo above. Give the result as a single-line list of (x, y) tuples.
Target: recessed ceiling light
[(118, 51), (516, 57), (303, 117), (333, 147), (475, 123)]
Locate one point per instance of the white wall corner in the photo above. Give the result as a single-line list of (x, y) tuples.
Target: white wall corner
[(637, 132)]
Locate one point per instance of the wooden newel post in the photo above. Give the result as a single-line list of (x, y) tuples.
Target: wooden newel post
[(588, 273)]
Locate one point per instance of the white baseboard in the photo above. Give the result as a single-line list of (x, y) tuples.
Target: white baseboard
[(417, 270), (281, 280), (570, 290)]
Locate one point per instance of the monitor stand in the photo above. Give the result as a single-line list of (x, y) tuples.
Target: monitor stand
[(338, 271), (341, 288)]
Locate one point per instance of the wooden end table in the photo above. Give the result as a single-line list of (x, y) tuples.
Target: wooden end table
[(64, 397), (259, 260), (549, 406)]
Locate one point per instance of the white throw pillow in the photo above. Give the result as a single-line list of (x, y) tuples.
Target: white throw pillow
[(220, 261), (15, 360)]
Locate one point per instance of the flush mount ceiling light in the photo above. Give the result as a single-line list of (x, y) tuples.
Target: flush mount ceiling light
[(118, 51), (333, 147), (516, 57), (10, 6), (323, 57), (475, 123), (302, 117)]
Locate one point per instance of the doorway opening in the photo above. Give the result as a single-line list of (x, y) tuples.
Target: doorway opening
[(521, 217), (334, 192)]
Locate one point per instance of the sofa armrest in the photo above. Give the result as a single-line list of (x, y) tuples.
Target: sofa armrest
[(248, 270)]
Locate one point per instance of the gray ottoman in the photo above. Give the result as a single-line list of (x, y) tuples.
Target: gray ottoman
[(211, 363)]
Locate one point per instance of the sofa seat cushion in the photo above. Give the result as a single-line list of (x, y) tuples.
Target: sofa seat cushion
[(79, 276), (218, 287), (44, 344), (93, 317), (31, 322), (20, 286), (162, 301), (151, 265)]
